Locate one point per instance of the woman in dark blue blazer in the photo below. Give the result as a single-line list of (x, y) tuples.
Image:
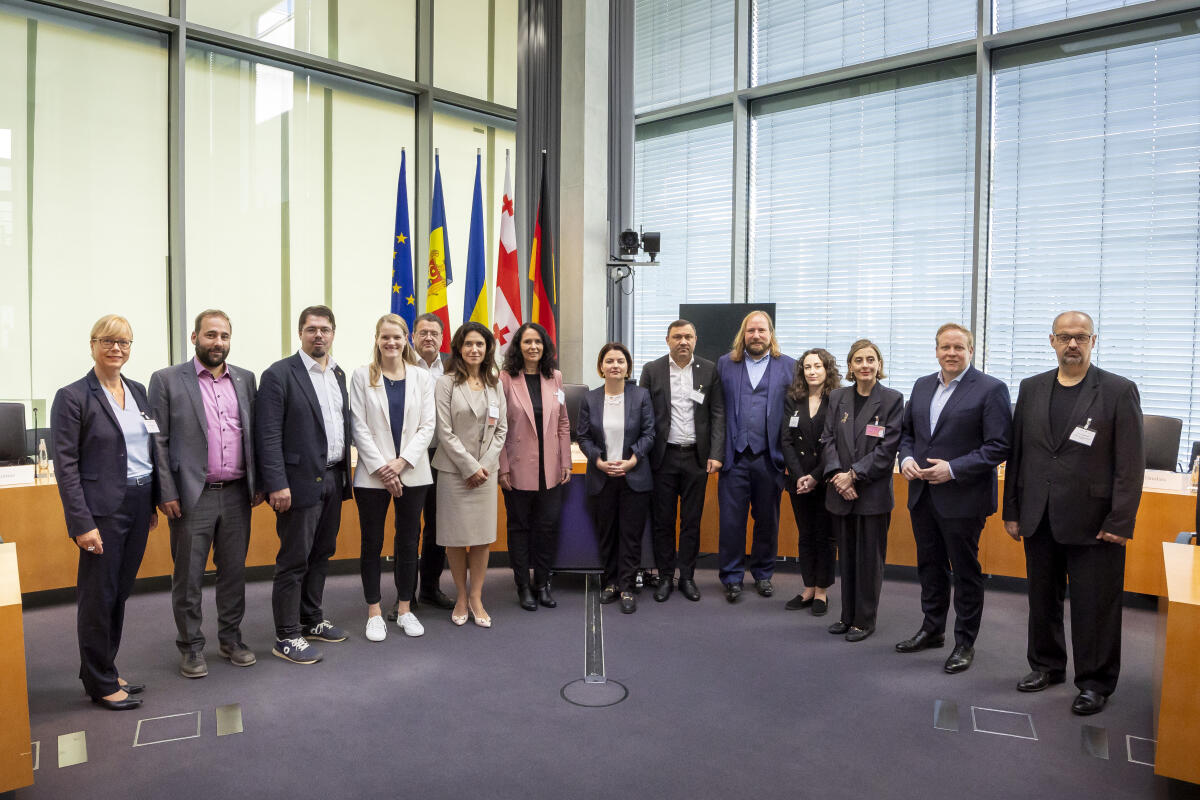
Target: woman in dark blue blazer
[(618, 482), (103, 439), (862, 435)]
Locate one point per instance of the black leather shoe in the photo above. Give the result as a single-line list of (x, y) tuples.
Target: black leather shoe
[(438, 599), (733, 591), (838, 628), (960, 659), (798, 602), (689, 589), (528, 601), (858, 634), (628, 603), (922, 640), (1088, 702), (1037, 680), (764, 587), (609, 595), (820, 608), (663, 591), (544, 596), (134, 688), (129, 703)]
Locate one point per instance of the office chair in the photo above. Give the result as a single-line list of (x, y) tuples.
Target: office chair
[(573, 396), (12, 433), (1161, 441)]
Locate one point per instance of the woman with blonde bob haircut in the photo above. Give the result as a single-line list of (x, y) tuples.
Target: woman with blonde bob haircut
[(393, 419)]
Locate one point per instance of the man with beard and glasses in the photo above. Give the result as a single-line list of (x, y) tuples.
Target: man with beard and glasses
[(204, 455), (755, 377), (1071, 492)]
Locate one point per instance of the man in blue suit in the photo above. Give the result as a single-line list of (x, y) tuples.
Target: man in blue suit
[(755, 377), (956, 430)]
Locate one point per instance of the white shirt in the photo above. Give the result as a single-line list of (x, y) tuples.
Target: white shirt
[(329, 396), (436, 369), (614, 427), (683, 418)]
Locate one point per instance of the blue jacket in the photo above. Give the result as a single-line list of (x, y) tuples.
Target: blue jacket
[(639, 437), (779, 372)]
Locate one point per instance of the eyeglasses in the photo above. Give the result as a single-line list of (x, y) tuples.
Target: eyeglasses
[(109, 344), (429, 334), (1067, 338)]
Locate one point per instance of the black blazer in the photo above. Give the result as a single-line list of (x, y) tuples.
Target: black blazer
[(708, 417), (973, 434), (289, 433), (1087, 489), (89, 452), (802, 449), (872, 458), (639, 437)]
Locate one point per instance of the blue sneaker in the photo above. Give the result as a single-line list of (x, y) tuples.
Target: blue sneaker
[(297, 650), (326, 631)]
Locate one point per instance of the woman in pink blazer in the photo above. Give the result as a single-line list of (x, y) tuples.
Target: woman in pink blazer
[(535, 461)]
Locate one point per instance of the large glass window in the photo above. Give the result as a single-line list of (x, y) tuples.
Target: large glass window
[(1010, 14), (475, 49), (682, 49), (1095, 206), (801, 37), (861, 208), (683, 189)]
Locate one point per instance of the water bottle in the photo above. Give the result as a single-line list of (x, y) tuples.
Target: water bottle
[(43, 463)]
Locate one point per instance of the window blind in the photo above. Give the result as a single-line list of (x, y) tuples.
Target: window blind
[(682, 51), (1010, 14)]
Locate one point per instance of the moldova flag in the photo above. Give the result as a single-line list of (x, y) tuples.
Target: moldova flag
[(404, 295), (475, 303), (440, 275)]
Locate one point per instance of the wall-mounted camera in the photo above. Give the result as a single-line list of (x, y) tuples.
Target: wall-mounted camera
[(630, 243)]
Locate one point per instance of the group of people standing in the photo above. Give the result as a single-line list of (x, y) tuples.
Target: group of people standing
[(438, 434)]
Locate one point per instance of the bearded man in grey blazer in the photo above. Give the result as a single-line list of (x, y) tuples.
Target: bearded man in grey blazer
[(204, 455)]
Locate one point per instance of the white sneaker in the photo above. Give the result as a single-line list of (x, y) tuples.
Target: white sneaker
[(376, 629), (410, 624)]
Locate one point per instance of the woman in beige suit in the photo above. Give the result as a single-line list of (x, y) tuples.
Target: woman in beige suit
[(535, 461), (392, 419), (472, 422)]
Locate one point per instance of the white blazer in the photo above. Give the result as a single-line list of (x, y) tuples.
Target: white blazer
[(371, 425)]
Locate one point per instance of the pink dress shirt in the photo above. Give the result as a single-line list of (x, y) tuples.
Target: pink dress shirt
[(223, 425)]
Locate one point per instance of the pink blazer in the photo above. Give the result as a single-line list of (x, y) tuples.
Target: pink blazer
[(519, 458)]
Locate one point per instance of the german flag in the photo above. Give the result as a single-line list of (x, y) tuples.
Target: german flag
[(543, 307)]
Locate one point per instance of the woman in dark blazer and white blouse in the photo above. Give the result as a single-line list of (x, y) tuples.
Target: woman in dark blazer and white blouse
[(393, 420), (103, 439), (861, 438), (618, 481), (535, 461), (804, 412)]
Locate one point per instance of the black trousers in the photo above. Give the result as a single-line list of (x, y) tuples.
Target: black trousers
[(102, 586), (532, 532), (307, 539), (816, 544), (433, 555), (372, 518), (1097, 576), (219, 521), (620, 516), (948, 553), (862, 546), (680, 483)]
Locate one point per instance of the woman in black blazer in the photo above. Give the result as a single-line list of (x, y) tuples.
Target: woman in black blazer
[(862, 435), (804, 412), (103, 440), (618, 482)]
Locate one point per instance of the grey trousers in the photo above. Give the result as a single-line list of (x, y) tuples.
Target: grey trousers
[(219, 521)]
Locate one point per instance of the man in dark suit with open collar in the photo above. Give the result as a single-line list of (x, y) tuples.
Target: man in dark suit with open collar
[(204, 455), (689, 443), (302, 436), (1071, 492), (755, 377), (955, 432)]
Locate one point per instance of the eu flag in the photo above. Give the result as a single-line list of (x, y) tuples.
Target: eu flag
[(404, 296)]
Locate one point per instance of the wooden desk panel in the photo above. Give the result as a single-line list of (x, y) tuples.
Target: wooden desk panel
[(16, 750), (1177, 673)]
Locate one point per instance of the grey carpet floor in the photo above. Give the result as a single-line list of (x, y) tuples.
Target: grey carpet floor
[(723, 701)]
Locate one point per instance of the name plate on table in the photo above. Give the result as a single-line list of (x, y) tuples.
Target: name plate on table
[(15, 476), (1162, 479)]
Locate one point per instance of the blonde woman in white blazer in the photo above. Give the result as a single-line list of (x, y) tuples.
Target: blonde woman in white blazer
[(393, 420)]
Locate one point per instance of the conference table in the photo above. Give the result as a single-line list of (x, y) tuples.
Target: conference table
[(31, 516)]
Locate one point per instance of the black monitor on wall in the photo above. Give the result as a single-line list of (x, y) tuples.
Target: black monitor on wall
[(717, 324)]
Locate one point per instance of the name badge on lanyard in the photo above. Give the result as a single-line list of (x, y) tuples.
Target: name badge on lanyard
[(1083, 434), (151, 425), (876, 430)]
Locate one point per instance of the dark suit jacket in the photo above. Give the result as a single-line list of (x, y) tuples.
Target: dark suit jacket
[(973, 433), (289, 433), (802, 449), (181, 448), (1086, 489), (89, 452), (847, 446), (639, 437), (708, 417), (779, 371)]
